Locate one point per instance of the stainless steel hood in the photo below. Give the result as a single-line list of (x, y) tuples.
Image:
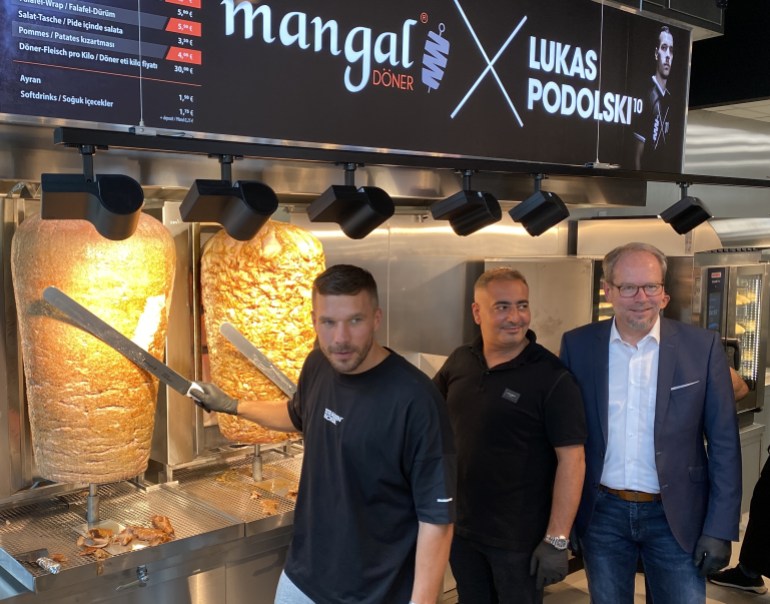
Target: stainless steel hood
[(742, 232), (166, 167), (27, 151)]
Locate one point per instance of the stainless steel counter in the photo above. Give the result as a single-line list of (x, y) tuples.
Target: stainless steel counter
[(231, 537)]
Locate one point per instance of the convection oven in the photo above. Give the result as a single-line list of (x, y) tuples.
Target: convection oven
[(731, 297)]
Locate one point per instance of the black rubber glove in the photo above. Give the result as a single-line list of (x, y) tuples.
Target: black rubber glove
[(212, 398), (711, 554), (550, 565)]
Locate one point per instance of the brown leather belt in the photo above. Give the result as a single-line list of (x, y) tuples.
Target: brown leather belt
[(633, 496)]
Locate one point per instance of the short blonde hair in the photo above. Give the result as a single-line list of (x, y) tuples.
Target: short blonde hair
[(612, 257)]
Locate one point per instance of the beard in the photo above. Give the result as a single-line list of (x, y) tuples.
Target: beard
[(355, 356), (644, 323)]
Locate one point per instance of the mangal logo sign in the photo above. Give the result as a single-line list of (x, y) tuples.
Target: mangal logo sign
[(369, 55), (562, 78)]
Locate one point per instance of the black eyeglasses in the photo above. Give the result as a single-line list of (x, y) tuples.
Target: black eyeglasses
[(626, 290)]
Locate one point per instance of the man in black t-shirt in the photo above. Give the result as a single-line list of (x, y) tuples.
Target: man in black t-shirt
[(652, 129), (519, 429), (374, 513)]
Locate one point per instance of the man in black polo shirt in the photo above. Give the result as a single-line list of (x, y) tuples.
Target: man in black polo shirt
[(519, 431)]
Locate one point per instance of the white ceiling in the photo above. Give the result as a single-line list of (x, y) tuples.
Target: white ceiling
[(753, 110)]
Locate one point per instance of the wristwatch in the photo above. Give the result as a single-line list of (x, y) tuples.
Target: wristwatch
[(561, 542)]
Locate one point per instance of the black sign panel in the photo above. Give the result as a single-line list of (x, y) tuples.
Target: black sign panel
[(557, 81)]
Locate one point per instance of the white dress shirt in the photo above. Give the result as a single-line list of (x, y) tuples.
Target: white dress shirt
[(629, 463)]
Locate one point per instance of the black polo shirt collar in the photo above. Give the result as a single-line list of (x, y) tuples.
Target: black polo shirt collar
[(527, 355)]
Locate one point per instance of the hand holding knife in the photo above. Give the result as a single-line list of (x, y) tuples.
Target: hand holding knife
[(212, 398), (208, 396)]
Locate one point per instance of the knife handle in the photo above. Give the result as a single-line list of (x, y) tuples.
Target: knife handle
[(193, 386), (49, 565)]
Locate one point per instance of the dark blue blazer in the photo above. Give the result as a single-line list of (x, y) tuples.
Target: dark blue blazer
[(700, 482)]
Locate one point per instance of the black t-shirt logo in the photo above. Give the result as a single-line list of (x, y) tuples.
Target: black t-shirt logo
[(331, 416), (510, 395)]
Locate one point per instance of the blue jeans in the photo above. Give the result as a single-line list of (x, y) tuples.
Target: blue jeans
[(288, 593), (619, 533), (491, 575)]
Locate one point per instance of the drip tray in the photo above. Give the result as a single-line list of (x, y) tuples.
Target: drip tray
[(114, 547), (262, 504), (56, 525), (278, 486)]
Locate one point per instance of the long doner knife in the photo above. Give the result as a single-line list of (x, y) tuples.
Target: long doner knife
[(88, 321), (257, 357)]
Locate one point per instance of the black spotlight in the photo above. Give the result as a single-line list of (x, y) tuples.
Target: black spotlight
[(242, 208), (540, 211), (685, 214), (111, 202), (467, 211), (358, 211)]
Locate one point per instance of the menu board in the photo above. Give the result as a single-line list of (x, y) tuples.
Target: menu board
[(109, 62), (556, 81)]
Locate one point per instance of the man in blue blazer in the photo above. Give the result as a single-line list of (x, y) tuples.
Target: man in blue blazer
[(663, 461)]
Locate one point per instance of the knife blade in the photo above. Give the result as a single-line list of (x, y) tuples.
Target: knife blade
[(258, 359), (89, 322)]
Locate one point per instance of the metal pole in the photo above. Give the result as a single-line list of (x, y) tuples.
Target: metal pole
[(256, 465), (92, 505)]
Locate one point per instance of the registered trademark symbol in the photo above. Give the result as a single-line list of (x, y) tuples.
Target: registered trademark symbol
[(423, 17)]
